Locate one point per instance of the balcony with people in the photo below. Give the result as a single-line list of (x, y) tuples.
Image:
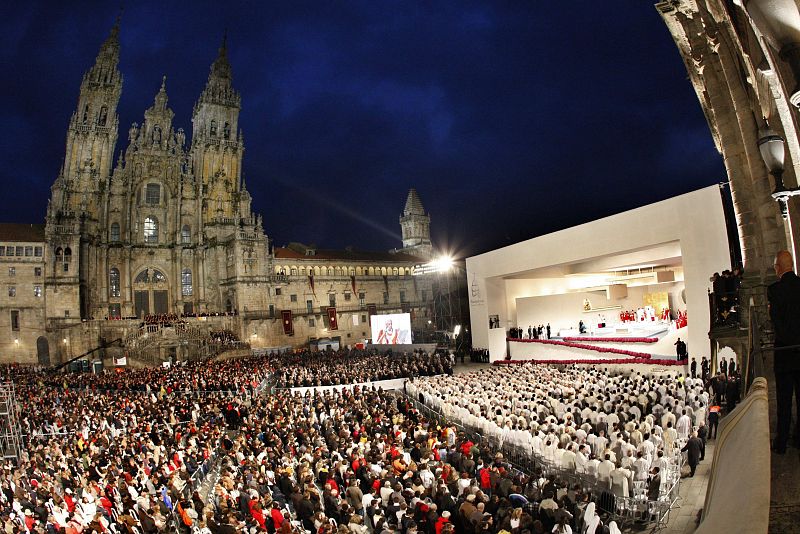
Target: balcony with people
[(724, 299)]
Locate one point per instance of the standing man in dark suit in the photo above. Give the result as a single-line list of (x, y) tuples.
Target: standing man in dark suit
[(654, 486), (784, 310), (693, 450)]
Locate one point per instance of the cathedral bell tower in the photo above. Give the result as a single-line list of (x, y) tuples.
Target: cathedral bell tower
[(217, 144), (74, 210), (415, 226), (91, 138)]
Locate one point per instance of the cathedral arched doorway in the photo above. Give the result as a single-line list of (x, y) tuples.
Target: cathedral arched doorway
[(43, 350), (150, 293)]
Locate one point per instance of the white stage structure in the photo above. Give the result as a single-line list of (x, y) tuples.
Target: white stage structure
[(672, 246)]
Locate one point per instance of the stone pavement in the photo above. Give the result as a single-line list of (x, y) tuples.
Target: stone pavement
[(784, 506)]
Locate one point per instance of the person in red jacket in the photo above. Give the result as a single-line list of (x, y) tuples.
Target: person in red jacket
[(106, 504), (69, 500), (442, 521), (467, 446), (277, 516), (486, 480), (29, 520), (258, 514)]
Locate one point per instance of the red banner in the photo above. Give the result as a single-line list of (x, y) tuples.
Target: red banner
[(311, 283), (288, 324), (353, 284), (332, 323)]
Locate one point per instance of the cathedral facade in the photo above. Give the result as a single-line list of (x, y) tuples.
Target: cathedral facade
[(167, 228)]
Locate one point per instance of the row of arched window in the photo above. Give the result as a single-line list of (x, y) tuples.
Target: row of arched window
[(147, 277), (302, 270)]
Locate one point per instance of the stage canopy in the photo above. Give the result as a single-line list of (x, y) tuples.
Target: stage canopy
[(647, 260)]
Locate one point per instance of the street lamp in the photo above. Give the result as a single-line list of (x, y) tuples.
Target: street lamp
[(443, 263), (772, 149)]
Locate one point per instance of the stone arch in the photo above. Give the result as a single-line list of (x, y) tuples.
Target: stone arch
[(43, 350)]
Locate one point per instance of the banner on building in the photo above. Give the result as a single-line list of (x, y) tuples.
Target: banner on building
[(353, 284), (332, 323), (288, 324), (311, 284)]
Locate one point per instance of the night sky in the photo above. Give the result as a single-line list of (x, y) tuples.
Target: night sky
[(512, 119)]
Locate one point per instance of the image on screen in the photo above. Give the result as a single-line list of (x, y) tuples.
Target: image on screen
[(394, 329)]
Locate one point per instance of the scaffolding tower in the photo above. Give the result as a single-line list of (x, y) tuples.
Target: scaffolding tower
[(443, 319), (10, 431)]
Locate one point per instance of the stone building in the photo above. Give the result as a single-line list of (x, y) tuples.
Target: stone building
[(743, 60), (167, 228), (23, 262)]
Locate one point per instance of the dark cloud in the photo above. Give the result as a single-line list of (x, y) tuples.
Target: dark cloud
[(511, 119)]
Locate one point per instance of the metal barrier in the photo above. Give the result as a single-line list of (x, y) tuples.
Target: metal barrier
[(195, 482)]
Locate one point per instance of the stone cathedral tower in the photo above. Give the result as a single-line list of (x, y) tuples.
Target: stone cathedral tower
[(415, 226), (73, 212)]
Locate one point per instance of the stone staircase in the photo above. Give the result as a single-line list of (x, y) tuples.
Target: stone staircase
[(155, 343)]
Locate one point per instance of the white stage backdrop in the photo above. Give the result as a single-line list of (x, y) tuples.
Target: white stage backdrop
[(394, 329)]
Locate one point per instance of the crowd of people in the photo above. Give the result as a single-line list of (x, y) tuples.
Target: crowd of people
[(224, 337), (116, 452), (110, 450), (169, 317), (366, 461), (166, 319), (616, 429), (533, 332), (353, 366)]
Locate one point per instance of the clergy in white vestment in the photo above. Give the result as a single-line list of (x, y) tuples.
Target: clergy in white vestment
[(684, 426)]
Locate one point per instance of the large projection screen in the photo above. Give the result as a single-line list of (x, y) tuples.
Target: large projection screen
[(393, 329)]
